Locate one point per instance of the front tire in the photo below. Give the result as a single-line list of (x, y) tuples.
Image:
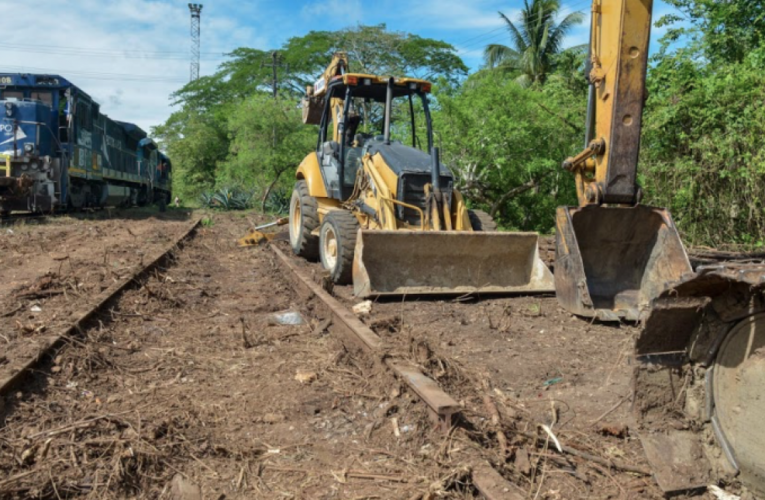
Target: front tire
[(481, 221), (304, 218), (337, 243)]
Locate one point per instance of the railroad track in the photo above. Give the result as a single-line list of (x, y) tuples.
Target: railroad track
[(442, 407), (16, 218), (14, 370)]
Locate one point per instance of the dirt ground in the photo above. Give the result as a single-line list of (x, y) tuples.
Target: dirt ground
[(50, 269), (190, 381)]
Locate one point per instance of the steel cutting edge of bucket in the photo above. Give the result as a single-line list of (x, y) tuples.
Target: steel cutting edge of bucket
[(448, 263), (611, 262)]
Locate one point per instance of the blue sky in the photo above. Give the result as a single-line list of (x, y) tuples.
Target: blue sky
[(131, 54)]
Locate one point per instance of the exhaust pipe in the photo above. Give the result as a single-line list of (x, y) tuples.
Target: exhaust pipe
[(435, 171), (388, 109)]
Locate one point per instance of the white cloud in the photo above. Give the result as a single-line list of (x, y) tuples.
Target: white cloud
[(93, 42)]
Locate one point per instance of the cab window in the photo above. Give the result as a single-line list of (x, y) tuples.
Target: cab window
[(45, 97), (13, 94)]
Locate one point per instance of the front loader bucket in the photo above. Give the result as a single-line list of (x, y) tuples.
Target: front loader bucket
[(611, 261), (448, 263)]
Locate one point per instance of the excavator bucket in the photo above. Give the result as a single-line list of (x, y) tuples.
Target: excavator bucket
[(611, 261), (396, 263)]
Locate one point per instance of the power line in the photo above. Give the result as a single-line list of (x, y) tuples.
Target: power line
[(110, 51), (113, 55), (562, 13), (95, 75)]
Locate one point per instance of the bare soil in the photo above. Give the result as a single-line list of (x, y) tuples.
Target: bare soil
[(190, 378), (50, 270)]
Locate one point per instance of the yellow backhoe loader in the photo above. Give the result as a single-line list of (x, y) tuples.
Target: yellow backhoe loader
[(699, 381), (385, 214)]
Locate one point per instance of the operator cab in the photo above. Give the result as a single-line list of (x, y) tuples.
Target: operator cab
[(363, 121)]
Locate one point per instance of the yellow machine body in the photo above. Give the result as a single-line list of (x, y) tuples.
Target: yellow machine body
[(614, 255), (415, 233)]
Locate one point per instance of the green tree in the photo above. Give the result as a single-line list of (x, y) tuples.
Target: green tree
[(724, 31), (213, 143), (268, 140), (505, 144), (536, 41)]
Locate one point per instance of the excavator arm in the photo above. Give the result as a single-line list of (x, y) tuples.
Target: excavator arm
[(614, 255), (699, 364), (606, 171)]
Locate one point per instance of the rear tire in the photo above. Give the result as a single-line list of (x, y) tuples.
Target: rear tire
[(481, 221), (337, 243), (304, 218)]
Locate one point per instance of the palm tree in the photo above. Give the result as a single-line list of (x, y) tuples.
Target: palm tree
[(536, 40)]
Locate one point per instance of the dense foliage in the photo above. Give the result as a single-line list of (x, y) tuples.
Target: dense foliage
[(505, 129), (702, 148)]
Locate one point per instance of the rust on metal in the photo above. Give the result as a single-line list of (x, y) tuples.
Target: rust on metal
[(492, 485), (612, 261), (396, 263), (443, 405), (439, 402), (12, 372), (701, 352)]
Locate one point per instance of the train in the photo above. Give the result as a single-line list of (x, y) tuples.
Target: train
[(58, 152)]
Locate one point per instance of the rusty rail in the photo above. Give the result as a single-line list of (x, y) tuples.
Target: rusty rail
[(442, 406), (14, 370)]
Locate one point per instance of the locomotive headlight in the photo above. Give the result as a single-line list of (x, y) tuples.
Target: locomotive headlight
[(29, 148), (33, 166), (24, 166), (8, 109)]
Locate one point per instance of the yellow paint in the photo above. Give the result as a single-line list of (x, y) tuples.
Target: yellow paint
[(310, 171), (7, 167), (326, 205), (460, 217), (621, 29)]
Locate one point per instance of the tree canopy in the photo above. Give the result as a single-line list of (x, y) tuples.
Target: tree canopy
[(703, 142), (536, 40)]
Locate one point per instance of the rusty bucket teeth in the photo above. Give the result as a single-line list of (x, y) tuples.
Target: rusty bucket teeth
[(611, 261), (396, 263)]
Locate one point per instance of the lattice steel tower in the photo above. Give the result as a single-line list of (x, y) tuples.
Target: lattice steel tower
[(196, 11)]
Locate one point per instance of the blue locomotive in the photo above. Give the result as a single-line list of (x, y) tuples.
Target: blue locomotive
[(58, 152)]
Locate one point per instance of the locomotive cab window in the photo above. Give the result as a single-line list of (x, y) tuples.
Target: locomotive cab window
[(13, 94), (45, 97)]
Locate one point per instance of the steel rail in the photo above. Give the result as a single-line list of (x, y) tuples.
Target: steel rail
[(15, 369)]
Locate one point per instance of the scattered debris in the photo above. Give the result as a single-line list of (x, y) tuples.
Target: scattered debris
[(615, 430), (288, 318), (306, 377), (183, 489), (363, 308), (721, 494)]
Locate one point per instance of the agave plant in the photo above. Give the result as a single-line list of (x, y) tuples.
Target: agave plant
[(228, 199)]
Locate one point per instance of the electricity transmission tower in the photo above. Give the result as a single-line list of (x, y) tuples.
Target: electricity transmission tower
[(196, 11)]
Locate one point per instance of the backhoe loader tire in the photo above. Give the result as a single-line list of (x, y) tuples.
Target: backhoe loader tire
[(481, 221), (337, 242), (304, 218)]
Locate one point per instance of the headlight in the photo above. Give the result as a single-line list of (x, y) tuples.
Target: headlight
[(33, 166), (24, 166), (8, 109), (29, 148)]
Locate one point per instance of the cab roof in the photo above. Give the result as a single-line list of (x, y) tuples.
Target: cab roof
[(375, 86)]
